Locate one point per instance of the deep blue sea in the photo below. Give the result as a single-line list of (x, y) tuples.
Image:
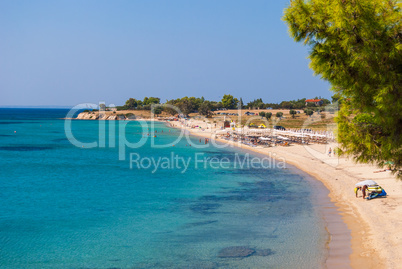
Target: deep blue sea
[(67, 206)]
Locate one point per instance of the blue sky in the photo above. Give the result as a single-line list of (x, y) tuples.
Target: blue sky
[(72, 52)]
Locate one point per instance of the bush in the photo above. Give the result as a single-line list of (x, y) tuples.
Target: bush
[(121, 108), (279, 114), (309, 112), (268, 115), (262, 114), (157, 110)]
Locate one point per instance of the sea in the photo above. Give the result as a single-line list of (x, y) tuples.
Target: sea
[(89, 194)]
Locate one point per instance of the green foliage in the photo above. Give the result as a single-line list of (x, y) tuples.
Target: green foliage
[(215, 105), (311, 105), (271, 105), (132, 104), (268, 115), (205, 109), (262, 114), (151, 100), (257, 103), (336, 98), (186, 106), (309, 112), (325, 102), (286, 104), (127, 115), (169, 107), (241, 104), (293, 113), (157, 110), (279, 114), (356, 46), (292, 104), (229, 102)]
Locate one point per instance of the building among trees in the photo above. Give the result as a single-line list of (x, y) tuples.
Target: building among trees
[(317, 102)]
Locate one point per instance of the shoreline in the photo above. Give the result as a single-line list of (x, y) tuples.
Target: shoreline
[(338, 242), (364, 219)]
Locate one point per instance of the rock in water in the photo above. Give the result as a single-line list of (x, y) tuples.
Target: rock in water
[(236, 252)]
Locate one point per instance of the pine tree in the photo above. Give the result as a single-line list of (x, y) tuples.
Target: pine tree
[(356, 46)]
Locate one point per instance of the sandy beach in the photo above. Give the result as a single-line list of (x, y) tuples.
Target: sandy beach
[(374, 225)]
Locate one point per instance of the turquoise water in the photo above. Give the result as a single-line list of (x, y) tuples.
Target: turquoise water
[(64, 206)]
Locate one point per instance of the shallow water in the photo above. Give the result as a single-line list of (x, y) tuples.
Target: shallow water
[(64, 206)]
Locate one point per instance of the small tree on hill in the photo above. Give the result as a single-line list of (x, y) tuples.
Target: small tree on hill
[(229, 102), (268, 115), (279, 114), (293, 113), (205, 109), (309, 112), (157, 110), (169, 107)]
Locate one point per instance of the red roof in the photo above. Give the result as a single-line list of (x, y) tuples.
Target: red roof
[(313, 100)]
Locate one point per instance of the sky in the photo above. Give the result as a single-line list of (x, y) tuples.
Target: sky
[(64, 53)]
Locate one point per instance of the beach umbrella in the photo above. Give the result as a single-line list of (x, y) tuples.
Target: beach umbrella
[(366, 182)]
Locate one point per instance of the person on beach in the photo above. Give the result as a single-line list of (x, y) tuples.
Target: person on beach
[(370, 191), (329, 152), (357, 189)]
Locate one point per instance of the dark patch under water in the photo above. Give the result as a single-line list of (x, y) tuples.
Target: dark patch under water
[(60, 140), (243, 252), (200, 223), (11, 122), (25, 148), (261, 191), (236, 252), (205, 208), (192, 265)]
